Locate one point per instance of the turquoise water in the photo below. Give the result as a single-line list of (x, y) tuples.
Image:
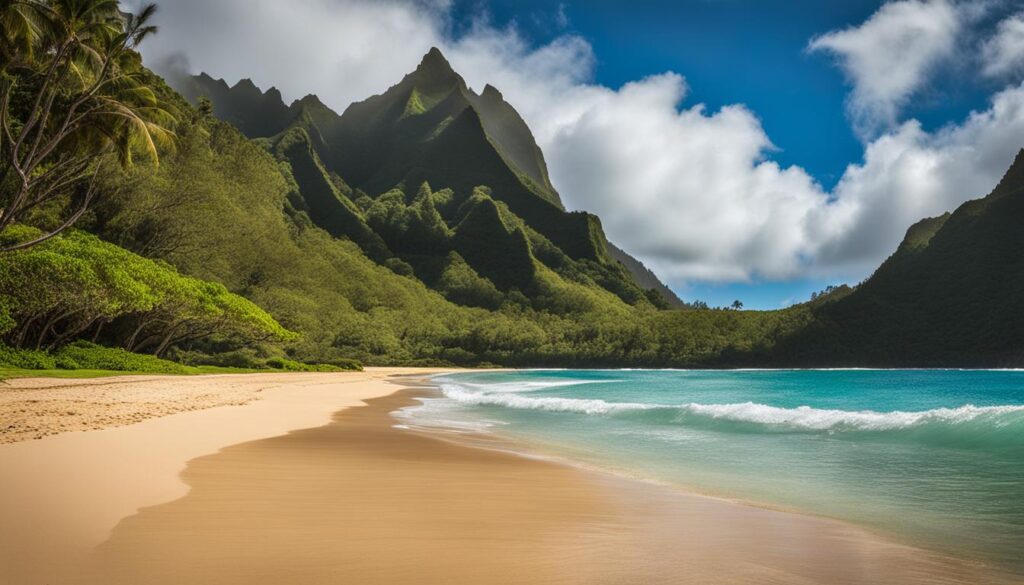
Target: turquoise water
[(935, 458)]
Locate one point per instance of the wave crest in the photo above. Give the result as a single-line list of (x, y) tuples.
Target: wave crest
[(986, 424)]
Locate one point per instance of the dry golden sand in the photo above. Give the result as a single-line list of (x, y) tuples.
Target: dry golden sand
[(32, 408), (358, 501), (61, 495)]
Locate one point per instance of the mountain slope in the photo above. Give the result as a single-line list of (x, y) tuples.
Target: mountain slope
[(380, 140), (429, 129), (256, 113), (951, 295), (645, 278)]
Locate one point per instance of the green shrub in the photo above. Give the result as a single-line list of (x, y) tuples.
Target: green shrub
[(399, 266), (25, 359), (349, 365), (90, 356), (7, 322), (67, 362), (284, 364), (244, 358), (287, 365)]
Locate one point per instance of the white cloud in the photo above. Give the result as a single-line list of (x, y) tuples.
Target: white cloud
[(1003, 54), (341, 50), (888, 57), (910, 174), (691, 192), (686, 190)]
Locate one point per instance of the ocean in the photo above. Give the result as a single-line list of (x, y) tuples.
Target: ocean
[(934, 458)]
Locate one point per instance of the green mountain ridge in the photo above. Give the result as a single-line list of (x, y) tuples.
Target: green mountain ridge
[(430, 128), (951, 295)]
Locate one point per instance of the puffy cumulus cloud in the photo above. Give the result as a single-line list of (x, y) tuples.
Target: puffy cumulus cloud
[(686, 190), (1003, 54), (888, 57), (341, 50), (691, 192), (910, 174)]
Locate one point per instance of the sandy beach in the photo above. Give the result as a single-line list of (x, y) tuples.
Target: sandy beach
[(304, 478)]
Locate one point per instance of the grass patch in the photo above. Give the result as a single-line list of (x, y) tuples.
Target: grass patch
[(10, 373), (88, 360)]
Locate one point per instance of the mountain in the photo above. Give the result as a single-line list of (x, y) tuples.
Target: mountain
[(645, 278), (446, 149), (254, 112), (951, 295), (399, 258)]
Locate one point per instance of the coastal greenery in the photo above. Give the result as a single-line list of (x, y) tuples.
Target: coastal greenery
[(76, 285), (417, 228), (72, 98), (951, 295)]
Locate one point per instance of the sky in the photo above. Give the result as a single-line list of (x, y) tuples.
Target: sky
[(743, 149)]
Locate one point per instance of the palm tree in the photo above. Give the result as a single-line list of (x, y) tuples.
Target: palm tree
[(737, 305), (72, 92)]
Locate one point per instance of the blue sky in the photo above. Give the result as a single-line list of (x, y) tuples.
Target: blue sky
[(742, 149), (736, 51), (752, 52)]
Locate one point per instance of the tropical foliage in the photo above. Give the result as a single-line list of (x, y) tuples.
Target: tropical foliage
[(71, 93), (440, 242), (76, 285)]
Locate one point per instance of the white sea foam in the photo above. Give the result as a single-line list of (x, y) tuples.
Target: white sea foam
[(802, 418), (805, 417), (520, 386)]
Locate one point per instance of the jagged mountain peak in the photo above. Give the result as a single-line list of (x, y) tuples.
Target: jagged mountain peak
[(491, 92), (1013, 179), (434, 74), (246, 84), (274, 93), (204, 76), (311, 101), (429, 127), (434, 60)]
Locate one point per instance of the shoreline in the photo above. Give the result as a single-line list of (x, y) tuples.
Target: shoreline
[(535, 450), (354, 498)]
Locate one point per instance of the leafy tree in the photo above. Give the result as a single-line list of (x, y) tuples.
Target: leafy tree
[(736, 305), (72, 90), (74, 283)]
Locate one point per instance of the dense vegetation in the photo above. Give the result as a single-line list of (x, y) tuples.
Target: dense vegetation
[(951, 295), (431, 130), (75, 285), (235, 222), (440, 242)]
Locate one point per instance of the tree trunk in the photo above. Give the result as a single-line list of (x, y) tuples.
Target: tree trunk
[(99, 329), (130, 344), (19, 342), (49, 325), (166, 341), (72, 332), (46, 329)]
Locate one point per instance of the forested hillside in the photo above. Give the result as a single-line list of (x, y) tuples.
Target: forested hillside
[(434, 268), (951, 295), (362, 175), (418, 227), (228, 209)]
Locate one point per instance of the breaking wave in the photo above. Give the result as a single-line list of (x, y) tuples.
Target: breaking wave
[(966, 425)]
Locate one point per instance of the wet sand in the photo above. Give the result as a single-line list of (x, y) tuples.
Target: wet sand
[(361, 501)]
